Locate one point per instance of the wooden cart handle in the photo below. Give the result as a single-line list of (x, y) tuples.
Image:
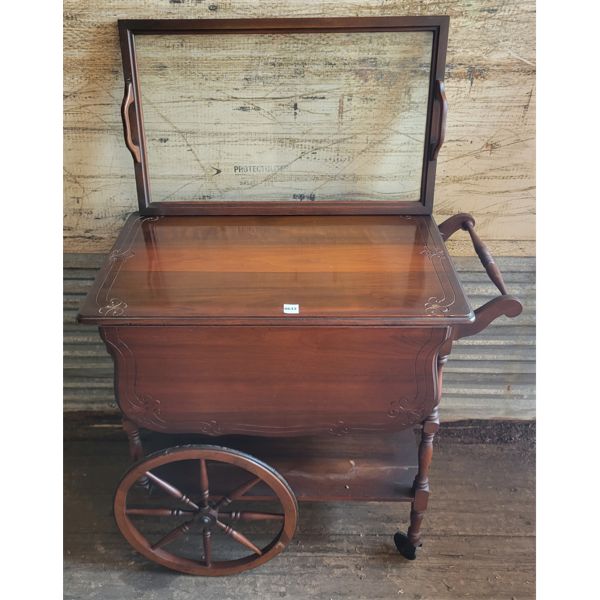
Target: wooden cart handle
[(440, 94), (128, 100), (502, 305)]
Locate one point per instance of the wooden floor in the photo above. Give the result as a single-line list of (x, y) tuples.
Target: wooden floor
[(479, 537)]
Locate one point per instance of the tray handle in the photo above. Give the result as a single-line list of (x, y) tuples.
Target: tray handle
[(440, 94), (128, 100), (504, 304)]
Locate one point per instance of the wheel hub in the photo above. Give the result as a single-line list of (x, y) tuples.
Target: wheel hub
[(207, 517)]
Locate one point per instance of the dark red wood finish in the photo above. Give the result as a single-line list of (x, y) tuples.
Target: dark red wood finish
[(191, 309), (340, 270), (505, 304), (275, 381)]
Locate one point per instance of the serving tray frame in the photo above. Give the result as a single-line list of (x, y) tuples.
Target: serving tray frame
[(133, 120)]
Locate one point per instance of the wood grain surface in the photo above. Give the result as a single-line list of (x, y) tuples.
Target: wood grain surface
[(490, 375), (486, 166), (213, 270), (274, 381)]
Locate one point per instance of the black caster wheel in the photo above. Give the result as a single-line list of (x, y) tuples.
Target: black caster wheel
[(405, 547)]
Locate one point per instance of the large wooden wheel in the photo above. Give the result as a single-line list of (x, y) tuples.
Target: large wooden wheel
[(183, 519)]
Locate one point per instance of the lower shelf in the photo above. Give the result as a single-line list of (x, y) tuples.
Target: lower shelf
[(357, 467)]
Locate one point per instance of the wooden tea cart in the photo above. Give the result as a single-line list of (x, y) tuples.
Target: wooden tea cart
[(281, 314)]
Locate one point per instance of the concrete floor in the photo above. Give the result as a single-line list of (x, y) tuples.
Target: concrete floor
[(479, 537)]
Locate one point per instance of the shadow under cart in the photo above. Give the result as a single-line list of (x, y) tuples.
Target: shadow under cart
[(218, 506)]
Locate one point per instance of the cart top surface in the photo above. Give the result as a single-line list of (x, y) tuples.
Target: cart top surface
[(248, 269)]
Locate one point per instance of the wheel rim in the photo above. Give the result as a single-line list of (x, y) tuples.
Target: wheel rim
[(201, 513)]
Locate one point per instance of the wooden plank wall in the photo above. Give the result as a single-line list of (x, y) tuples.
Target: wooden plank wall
[(486, 166), (488, 376)]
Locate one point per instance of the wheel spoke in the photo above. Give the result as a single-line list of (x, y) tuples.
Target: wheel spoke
[(206, 538), (158, 512), (237, 493), (238, 537), (172, 535), (246, 515), (204, 482), (171, 490), (199, 496)]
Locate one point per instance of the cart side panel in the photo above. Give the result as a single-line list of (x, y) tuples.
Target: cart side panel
[(274, 381)]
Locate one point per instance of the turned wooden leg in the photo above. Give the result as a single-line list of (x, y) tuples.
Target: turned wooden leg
[(421, 484), (136, 450), (408, 544)]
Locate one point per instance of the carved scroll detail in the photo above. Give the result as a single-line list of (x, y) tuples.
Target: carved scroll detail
[(398, 408), (121, 254), (209, 427), (433, 253), (437, 306), (146, 410), (112, 306), (340, 428), (143, 409), (115, 308)]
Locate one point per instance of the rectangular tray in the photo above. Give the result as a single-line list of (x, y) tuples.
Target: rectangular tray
[(363, 269), (339, 101)]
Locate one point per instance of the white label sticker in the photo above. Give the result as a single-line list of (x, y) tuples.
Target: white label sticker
[(291, 309)]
